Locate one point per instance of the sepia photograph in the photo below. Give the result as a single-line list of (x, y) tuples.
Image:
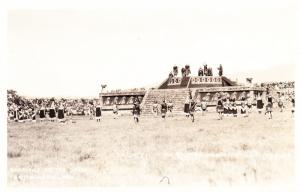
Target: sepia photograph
[(150, 94)]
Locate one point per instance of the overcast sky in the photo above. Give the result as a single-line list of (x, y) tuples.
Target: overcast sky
[(72, 52)]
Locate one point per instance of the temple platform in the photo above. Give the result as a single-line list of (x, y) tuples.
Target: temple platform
[(177, 89)]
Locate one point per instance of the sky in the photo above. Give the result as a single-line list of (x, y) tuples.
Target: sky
[(72, 51)]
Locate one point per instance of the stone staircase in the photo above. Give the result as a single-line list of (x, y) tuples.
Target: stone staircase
[(228, 82), (178, 97)]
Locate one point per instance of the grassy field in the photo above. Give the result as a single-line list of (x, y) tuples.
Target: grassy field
[(174, 152)]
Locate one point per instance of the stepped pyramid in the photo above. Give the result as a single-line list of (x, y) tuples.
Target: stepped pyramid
[(177, 89)]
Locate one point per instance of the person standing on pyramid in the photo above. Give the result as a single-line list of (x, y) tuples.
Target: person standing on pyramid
[(220, 68)]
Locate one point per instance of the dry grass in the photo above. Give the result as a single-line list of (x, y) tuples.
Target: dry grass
[(231, 152)]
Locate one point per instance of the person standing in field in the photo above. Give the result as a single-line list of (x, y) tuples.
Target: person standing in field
[(164, 109), (220, 108), (203, 106), (52, 112), (170, 107), (192, 107), (155, 108), (115, 110), (269, 110), (16, 112), (86, 110), (187, 106), (270, 99), (98, 110), (91, 111), (269, 106), (42, 112), (230, 107), (21, 115), (243, 100), (198, 105), (249, 104), (244, 110), (226, 105), (136, 110), (259, 104), (10, 113), (70, 110), (61, 113), (204, 103), (31, 115), (234, 108), (280, 102)]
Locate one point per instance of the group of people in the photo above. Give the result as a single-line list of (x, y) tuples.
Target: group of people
[(53, 111), (279, 85), (226, 106), (164, 108), (121, 90), (203, 71), (185, 71), (21, 109), (167, 107), (207, 71)]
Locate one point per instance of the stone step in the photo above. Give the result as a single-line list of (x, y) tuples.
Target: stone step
[(178, 97)]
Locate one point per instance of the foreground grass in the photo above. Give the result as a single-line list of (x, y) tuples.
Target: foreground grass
[(231, 152)]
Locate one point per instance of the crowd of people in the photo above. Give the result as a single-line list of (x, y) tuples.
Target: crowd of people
[(276, 89), (202, 71), (21, 109), (279, 85), (124, 90)]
